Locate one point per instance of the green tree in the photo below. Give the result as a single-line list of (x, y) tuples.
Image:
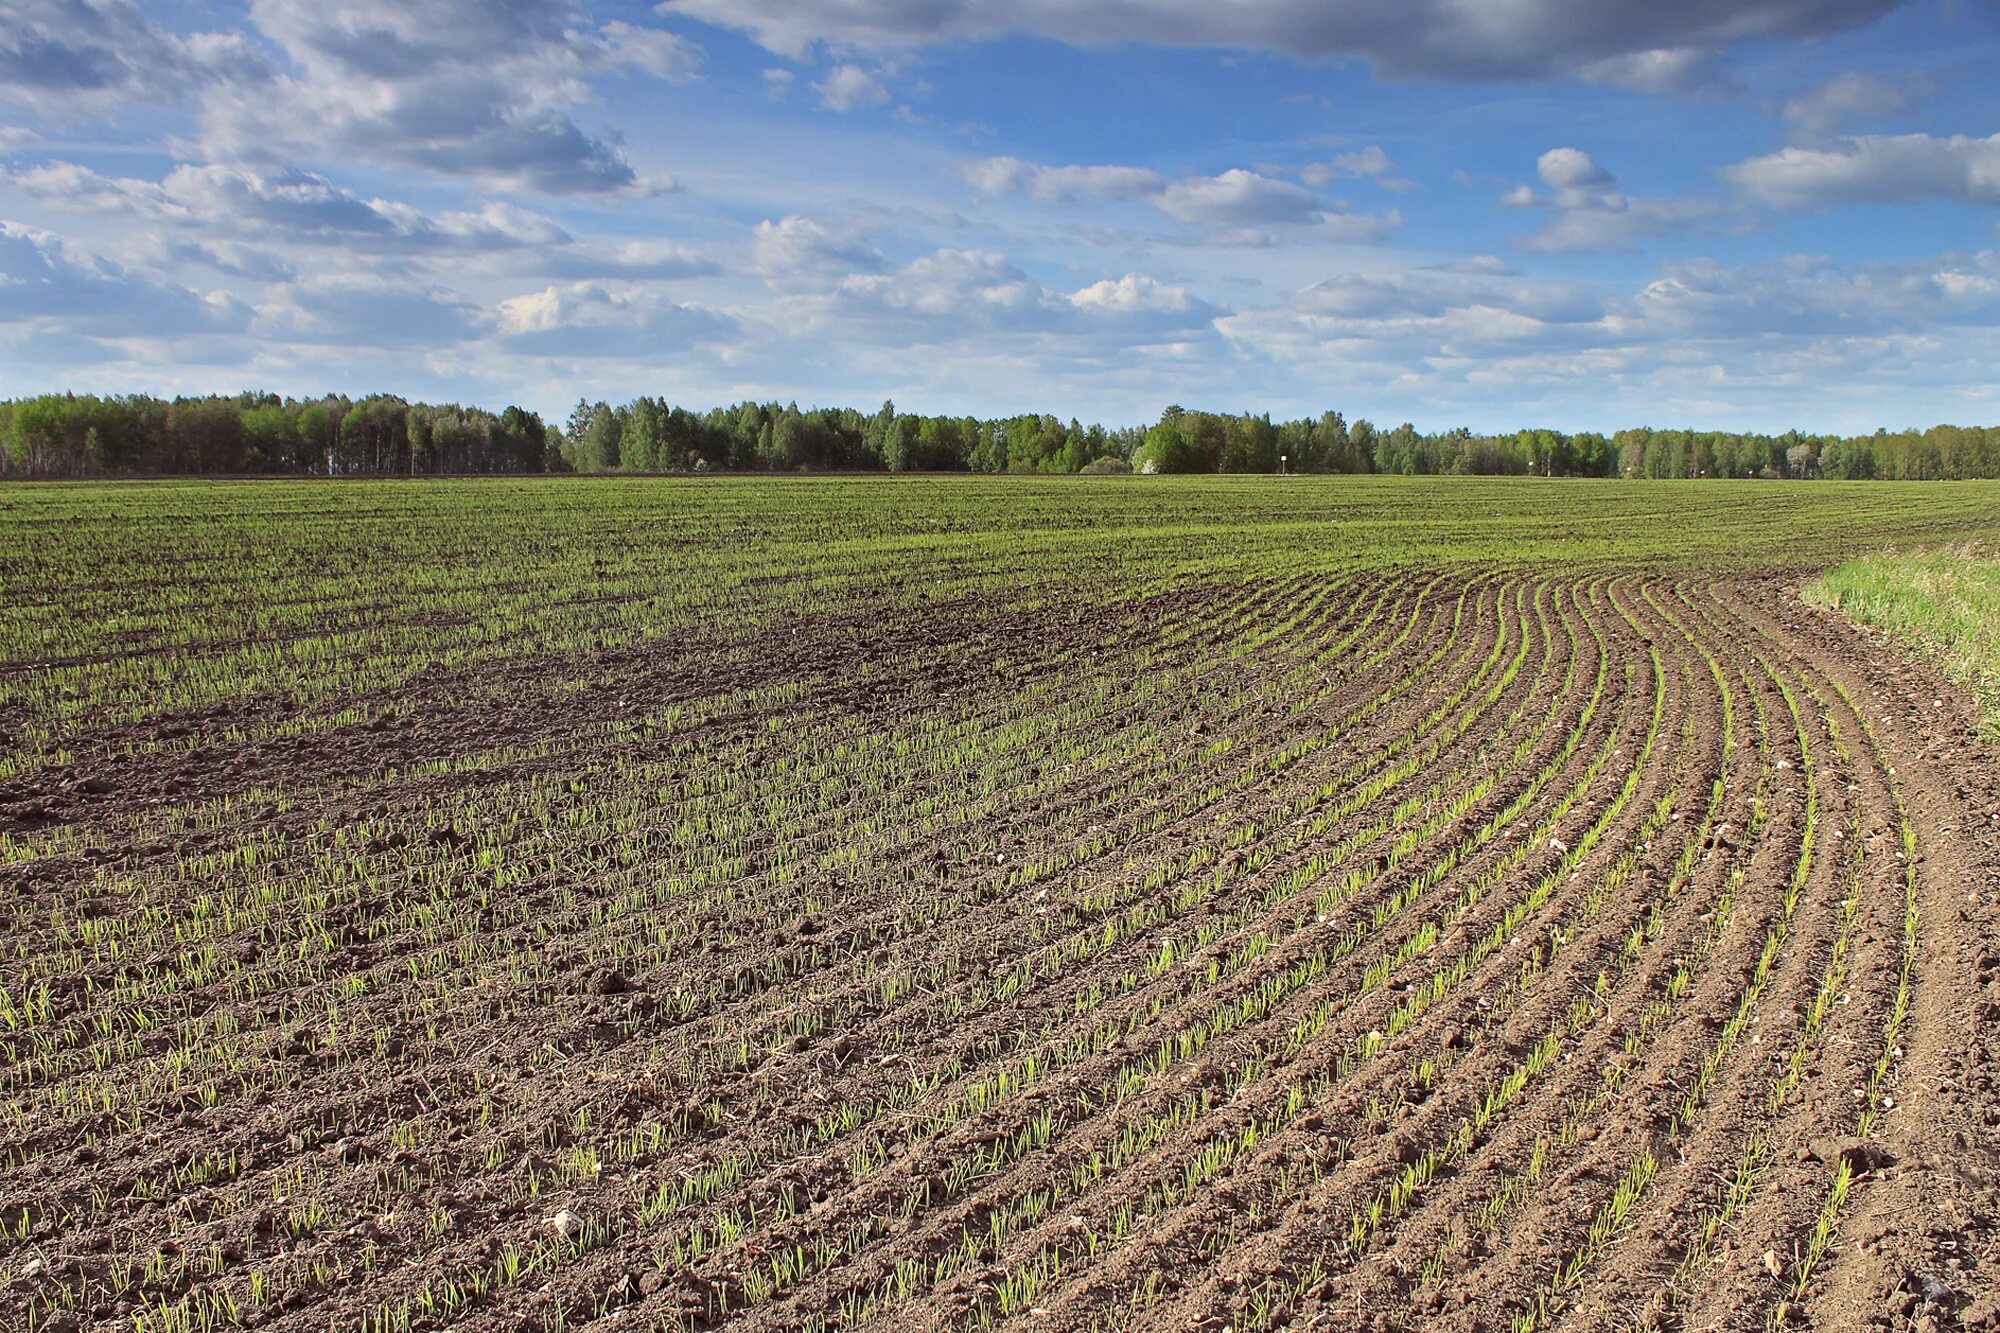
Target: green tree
[(601, 440), (639, 444), (272, 440), (1168, 449), (1362, 445)]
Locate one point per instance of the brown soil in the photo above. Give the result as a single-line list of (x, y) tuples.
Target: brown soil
[(1439, 962)]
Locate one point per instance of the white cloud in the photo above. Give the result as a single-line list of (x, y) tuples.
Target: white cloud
[(68, 185), (1139, 294), (1845, 98), (1062, 184), (1587, 212), (800, 254), (1236, 201), (1570, 169), (475, 88), (979, 298), (1371, 163), (1612, 221), (1358, 228), (659, 260), (651, 51), (975, 284), (468, 88), (1792, 331), (1875, 169), (1808, 296), (288, 205), (1238, 198), (1665, 70), (850, 87), (588, 319), (1435, 293), (198, 214)]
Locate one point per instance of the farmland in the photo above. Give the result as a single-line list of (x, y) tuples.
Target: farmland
[(1117, 903)]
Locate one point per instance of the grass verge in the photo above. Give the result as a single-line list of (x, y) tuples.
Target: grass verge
[(1946, 602)]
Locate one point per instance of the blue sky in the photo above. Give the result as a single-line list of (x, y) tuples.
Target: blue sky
[(1576, 213)]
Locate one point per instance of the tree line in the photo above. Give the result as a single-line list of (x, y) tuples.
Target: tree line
[(77, 435)]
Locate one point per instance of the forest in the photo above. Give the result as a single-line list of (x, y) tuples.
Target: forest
[(80, 435)]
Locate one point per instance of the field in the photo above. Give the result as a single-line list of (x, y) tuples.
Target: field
[(1112, 903)]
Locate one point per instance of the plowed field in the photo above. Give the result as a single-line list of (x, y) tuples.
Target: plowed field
[(945, 904)]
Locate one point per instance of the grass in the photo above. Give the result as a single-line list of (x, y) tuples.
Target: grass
[(1946, 602)]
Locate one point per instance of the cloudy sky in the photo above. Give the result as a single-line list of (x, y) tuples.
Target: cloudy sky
[(1578, 213)]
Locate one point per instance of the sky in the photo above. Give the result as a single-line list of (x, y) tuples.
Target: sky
[(1581, 214)]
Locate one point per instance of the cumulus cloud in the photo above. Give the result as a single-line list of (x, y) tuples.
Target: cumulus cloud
[(1140, 295), (1570, 169), (978, 286), (301, 205), (478, 88), (850, 87), (1420, 328), (1767, 341), (1371, 164), (1588, 212), (658, 260), (1788, 325), (1613, 221), (1875, 169), (962, 296), (1846, 98), (1062, 184), (201, 214), (1635, 42), (799, 254), (289, 205), (1805, 295), (68, 185), (589, 319), (1369, 161), (1432, 293), (1237, 200)]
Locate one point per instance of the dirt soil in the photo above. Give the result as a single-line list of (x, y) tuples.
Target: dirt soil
[(1463, 954)]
